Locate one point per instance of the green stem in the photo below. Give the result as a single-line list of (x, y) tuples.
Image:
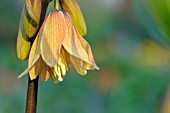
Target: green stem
[(32, 90), (56, 4)]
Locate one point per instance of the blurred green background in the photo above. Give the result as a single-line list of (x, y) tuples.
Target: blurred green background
[(134, 71)]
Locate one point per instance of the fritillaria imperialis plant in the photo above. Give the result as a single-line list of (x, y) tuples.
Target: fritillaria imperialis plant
[(52, 43)]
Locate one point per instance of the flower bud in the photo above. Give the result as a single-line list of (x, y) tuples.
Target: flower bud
[(72, 7), (29, 10), (23, 43), (33, 12)]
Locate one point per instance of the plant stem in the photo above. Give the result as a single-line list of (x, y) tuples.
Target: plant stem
[(56, 4), (32, 90)]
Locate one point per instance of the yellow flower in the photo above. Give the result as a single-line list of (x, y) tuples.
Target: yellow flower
[(58, 45)]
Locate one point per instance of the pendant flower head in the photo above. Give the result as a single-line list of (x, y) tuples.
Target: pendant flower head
[(58, 45)]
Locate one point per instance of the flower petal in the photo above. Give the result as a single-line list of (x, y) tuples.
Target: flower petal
[(34, 59), (33, 56), (72, 7), (91, 63), (81, 63), (71, 41), (77, 46), (24, 72), (45, 72), (35, 51), (74, 64), (29, 68), (36, 69), (52, 36)]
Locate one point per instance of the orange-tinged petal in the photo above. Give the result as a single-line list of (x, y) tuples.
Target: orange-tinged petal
[(77, 46), (45, 72), (72, 7), (85, 45), (52, 36), (25, 71), (74, 64), (33, 57), (29, 68), (77, 66), (35, 51), (71, 41), (36, 69), (23, 43), (81, 63)]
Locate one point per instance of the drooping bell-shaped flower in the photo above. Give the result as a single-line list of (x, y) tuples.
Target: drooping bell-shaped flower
[(58, 45)]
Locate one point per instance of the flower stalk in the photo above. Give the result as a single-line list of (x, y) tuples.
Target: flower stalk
[(32, 92), (32, 88), (56, 4)]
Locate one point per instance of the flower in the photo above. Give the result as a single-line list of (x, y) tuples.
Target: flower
[(58, 45)]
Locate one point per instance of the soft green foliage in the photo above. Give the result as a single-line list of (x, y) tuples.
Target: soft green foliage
[(123, 85), (155, 13)]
